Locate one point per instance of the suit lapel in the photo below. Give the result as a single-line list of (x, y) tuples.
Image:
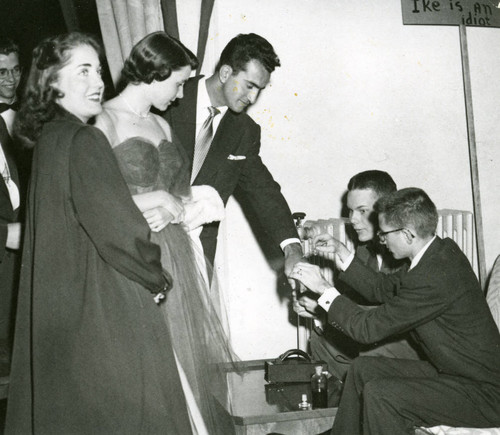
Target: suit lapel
[(13, 175), (222, 144), (182, 116), (5, 141)]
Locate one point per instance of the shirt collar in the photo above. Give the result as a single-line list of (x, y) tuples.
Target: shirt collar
[(203, 102), (420, 254)]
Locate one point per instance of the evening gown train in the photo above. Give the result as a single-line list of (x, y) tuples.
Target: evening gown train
[(197, 335)]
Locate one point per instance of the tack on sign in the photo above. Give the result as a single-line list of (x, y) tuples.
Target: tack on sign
[(484, 13)]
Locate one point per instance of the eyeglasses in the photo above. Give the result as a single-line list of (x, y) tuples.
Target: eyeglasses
[(15, 72), (383, 234)]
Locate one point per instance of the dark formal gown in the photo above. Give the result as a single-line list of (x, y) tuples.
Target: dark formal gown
[(198, 338), (92, 351)]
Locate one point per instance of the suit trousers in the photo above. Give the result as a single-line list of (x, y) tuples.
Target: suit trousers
[(387, 396), (338, 350)]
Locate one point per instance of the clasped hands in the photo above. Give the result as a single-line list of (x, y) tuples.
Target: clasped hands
[(309, 275), (203, 206), (171, 210)]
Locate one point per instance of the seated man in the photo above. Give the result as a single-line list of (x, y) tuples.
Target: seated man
[(439, 300), (328, 343)]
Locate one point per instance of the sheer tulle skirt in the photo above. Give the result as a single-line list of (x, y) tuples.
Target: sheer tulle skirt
[(198, 337)]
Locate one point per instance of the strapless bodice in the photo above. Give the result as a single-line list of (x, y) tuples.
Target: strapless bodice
[(148, 167)]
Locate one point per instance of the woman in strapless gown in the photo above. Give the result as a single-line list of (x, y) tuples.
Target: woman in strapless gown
[(157, 172)]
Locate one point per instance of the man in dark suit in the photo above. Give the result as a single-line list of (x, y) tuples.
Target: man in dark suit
[(10, 192), (10, 78), (328, 343), (233, 165), (439, 300), (10, 239)]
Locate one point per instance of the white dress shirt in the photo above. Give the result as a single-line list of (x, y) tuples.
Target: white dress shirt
[(11, 186)]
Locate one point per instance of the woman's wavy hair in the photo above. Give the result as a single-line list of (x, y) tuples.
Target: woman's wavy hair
[(39, 105), (154, 57)]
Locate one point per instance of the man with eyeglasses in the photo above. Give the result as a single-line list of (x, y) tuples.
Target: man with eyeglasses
[(10, 77), (10, 201), (328, 343), (439, 301)]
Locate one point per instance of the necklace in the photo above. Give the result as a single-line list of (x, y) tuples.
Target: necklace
[(132, 110)]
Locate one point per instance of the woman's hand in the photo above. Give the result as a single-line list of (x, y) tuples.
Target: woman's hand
[(173, 206), (310, 276), (160, 208), (158, 218), (204, 206)]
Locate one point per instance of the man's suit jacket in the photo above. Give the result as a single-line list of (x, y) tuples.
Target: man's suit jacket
[(439, 301), (9, 260), (248, 179)]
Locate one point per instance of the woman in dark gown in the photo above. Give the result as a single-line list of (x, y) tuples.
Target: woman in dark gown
[(92, 352), (157, 171)]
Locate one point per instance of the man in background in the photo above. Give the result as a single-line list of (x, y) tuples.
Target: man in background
[(223, 142), (328, 343), (10, 196), (10, 77)]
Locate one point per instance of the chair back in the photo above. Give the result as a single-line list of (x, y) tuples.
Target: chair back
[(493, 292)]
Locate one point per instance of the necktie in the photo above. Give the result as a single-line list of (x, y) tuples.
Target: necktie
[(203, 142)]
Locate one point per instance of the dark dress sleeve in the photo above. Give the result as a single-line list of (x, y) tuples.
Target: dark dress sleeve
[(107, 212)]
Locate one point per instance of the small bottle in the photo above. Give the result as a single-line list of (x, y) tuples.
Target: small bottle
[(319, 388), (304, 405)]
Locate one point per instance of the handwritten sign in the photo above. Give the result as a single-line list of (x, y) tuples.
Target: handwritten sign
[(484, 13)]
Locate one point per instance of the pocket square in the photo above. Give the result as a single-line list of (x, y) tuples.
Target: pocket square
[(231, 157)]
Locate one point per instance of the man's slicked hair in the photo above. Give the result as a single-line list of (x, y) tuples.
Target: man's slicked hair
[(245, 48), (378, 181)]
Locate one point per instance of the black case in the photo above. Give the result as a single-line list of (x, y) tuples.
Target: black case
[(293, 366)]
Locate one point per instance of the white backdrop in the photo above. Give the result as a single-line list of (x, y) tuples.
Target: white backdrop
[(357, 90)]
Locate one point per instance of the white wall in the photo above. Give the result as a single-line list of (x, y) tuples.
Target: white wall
[(357, 90)]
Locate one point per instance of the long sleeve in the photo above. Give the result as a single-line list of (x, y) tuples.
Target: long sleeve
[(107, 212), (409, 300), (263, 194)]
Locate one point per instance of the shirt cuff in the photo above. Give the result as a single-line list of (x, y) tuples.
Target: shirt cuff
[(326, 299), (343, 265), (287, 242)]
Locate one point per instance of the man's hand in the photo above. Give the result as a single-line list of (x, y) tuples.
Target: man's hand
[(310, 276), (327, 244), (293, 254), (13, 236), (304, 306)]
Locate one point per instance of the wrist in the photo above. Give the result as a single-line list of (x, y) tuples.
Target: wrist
[(343, 253), (293, 249), (322, 287)]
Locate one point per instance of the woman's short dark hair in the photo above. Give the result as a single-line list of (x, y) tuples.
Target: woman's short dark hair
[(154, 57), (245, 48), (39, 103), (410, 206)]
